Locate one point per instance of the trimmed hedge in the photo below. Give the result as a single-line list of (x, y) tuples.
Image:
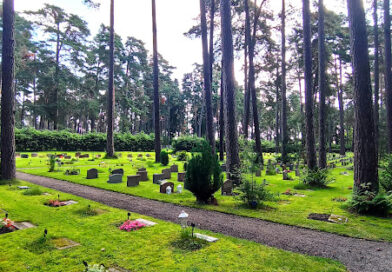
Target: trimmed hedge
[(37, 140)]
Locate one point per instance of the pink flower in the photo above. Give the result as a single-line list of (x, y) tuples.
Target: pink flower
[(131, 225)]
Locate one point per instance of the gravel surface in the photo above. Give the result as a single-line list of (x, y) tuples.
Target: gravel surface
[(357, 254)]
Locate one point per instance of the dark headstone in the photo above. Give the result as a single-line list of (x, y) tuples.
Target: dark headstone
[(67, 157), (77, 154), (142, 169), (34, 155), (227, 188), (143, 175), (258, 173), (157, 178), (166, 173), (223, 167), (148, 155), (140, 155), (133, 181), (164, 185), (129, 156), (174, 168), (118, 171), (116, 178), (181, 176), (92, 173), (25, 156)]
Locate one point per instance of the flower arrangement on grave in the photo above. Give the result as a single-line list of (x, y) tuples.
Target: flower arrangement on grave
[(131, 225), (8, 223), (55, 203)]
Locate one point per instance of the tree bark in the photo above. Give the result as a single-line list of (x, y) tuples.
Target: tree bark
[(277, 121), (222, 121), (8, 93), (233, 160), (251, 83), (310, 145), (388, 74), (322, 87), (246, 85), (157, 129), (365, 158), (341, 111), (111, 91), (207, 77), (284, 100), (376, 75)]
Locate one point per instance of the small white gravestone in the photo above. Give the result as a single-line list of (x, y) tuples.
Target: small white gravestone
[(146, 222), (23, 187), (69, 202), (179, 189), (207, 238)]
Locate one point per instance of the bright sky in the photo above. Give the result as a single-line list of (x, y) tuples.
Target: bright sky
[(133, 18)]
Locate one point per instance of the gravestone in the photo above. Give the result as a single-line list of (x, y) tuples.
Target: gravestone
[(84, 156), (166, 173), (227, 188), (258, 173), (92, 173), (140, 155), (174, 168), (25, 156), (164, 185), (129, 156), (116, 178), (285, 175), (148, 155), (157, 178), (98, 156), (142, 169), (34, 155), (68, 157), (143, 175), (77, 154), (118, 171), (223, 167), (181, 176), (133, 181)]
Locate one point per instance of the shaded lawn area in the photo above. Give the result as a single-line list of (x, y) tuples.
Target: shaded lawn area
[(148, 249), (291, 210)]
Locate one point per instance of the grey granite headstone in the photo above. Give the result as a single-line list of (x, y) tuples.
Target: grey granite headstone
[(227, 188), (157, 178), (133, 181), (174, 168), (118, 171), (143, 175), (115, 178), (92, 173), (181, 176), (166, 173)]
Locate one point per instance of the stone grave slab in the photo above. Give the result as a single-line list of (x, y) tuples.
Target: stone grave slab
[(166, 173), (92, 173), (157, 178), (181, 176), (116, 178), (227, 188), (339, 219), (164, 185), (23, 225), (23, 187), (146, 222), (207, 238), (118, 171), (69, 202), (143, 175), (64, 243), (133, 181), (174, 168)]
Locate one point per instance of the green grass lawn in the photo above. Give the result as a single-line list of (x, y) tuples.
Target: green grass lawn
[(148, 249), (292, 210)]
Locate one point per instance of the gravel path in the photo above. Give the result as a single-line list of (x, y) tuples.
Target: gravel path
[(357, 254)]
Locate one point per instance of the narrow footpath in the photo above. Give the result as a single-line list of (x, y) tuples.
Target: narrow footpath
[(357, 255)]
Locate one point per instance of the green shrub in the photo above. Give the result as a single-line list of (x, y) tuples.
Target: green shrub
[(204, 175), (188, 143), (271, 171), (367, 202), (164, 157), (182, 156), (52, 163), (317, 178), (33, 192), (386, 175), (253, 194)]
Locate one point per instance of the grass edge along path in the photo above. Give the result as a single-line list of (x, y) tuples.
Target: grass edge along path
[(356, 254)]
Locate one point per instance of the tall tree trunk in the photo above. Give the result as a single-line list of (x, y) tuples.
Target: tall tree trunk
[(341, 111), (8, 93), (365, 157), (35, 123), (246, 85), (56, 77), (310, 146), (251, 84), (277, 121), (376, 75), (157, 129), (233, 160), (388, 74), (111, 91), (207, 77), (285, 137), (222, 120), (322, 87)]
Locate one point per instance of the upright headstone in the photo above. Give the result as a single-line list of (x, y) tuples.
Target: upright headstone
[(129, 156), (34, 155), (118, 171), (157, 178), (143, 175), (92, 173), (25, 156), (174, 168), (166, 173), (77, 154), (227, 188), (223, 167), (133, 181), (116, 178), (285, 175), (258, 173), (181, 176), (164, 185)]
